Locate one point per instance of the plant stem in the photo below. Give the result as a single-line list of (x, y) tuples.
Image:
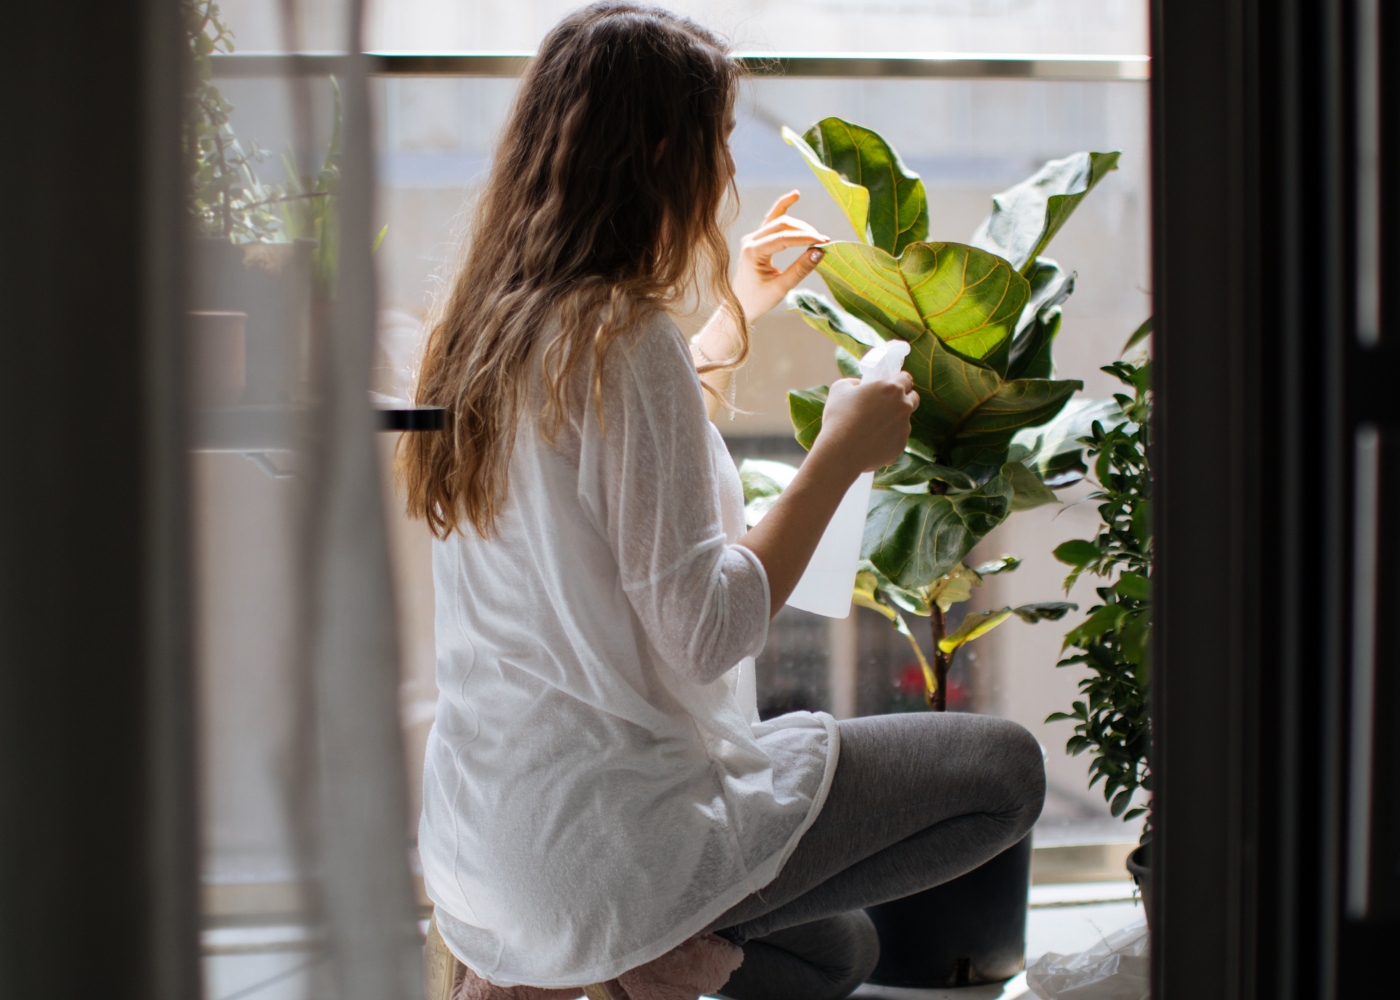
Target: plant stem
[(226, 184), (938, 698)]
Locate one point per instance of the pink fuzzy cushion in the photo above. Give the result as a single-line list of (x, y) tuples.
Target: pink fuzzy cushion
[(690, 970)]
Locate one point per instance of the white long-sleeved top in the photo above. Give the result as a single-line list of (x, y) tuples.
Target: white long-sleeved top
[(598, 787)]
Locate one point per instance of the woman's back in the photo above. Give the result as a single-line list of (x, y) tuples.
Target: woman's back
[(595, 738)]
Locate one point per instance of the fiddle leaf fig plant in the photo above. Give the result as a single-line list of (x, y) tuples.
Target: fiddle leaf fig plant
[(980, 319)]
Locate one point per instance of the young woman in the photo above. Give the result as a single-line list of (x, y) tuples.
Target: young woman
[(598, 786)]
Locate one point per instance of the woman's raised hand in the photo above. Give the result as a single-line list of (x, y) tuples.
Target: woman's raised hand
[(866, 422), (758, 284)]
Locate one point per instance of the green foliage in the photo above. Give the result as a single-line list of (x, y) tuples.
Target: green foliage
[(805, 406), (981, 320), (763, 483), (980, 330), (884, 201), (979, 624), (915, 538), (969, 298), (308, 205), (227, 199), (1026, 217), (1114, 641)]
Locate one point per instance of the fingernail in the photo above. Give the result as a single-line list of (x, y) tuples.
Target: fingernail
[(816, 256)]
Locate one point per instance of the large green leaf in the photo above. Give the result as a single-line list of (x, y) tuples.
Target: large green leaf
[(915, 470), (969, 298), (1018, 403), (1031, 355), (805, 407), (1055, 452), (867, 281), (846, 331), (763, 481), (914, 538), (848, 364), (854, 199), (897, 206), (974, 625), (950, 388), (1027, 490), (916, 602), (964, 401), (1026, 217), (1050, 285)]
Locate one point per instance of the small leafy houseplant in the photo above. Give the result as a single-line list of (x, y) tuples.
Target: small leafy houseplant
[(1114, 641), (994, 431), (227, 199)]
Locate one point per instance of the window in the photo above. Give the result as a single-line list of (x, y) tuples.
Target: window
[(968, 138), (970, 126)]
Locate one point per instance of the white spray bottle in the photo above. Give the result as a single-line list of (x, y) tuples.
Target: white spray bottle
[(825, 588)]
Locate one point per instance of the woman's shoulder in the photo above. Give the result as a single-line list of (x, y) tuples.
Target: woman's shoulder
[(650, 359), (653, 348), (646, 369)]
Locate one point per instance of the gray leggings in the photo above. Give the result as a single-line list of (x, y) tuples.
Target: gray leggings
[(917, 799)]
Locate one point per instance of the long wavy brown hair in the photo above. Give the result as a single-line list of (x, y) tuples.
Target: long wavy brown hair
[(602, 208)]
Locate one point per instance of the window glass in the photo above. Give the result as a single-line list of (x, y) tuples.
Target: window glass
[(433, 140), (1077, 27), (968, 139)]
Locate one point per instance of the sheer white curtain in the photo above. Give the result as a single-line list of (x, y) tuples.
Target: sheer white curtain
[(307, 838), (356, 831)]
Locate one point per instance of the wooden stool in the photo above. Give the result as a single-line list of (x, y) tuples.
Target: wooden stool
[(440, 970)]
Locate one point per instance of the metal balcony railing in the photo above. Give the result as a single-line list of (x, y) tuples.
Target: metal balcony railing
[(830, 65)]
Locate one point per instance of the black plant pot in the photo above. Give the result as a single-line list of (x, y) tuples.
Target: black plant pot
[(966, 932), (1140, 868)]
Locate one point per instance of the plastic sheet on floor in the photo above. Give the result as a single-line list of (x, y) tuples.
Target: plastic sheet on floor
[(1115, 969)]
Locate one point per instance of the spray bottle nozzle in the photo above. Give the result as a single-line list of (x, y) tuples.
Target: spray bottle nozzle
[(885, 360)]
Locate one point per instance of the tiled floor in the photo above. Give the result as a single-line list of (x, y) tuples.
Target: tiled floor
[(272, 963)]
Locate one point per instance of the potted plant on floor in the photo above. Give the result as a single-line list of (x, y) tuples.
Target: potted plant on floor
[(1111, 721), (994, 433)]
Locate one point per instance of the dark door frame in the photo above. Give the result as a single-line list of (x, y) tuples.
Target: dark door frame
[(1262, 390), (97, 814)]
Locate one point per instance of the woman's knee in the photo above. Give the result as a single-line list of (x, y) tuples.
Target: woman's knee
[(981, 763), (859, 952), (1022, 763), (822, 960)]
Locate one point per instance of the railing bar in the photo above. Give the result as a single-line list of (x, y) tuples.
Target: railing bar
[(838, 65)]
